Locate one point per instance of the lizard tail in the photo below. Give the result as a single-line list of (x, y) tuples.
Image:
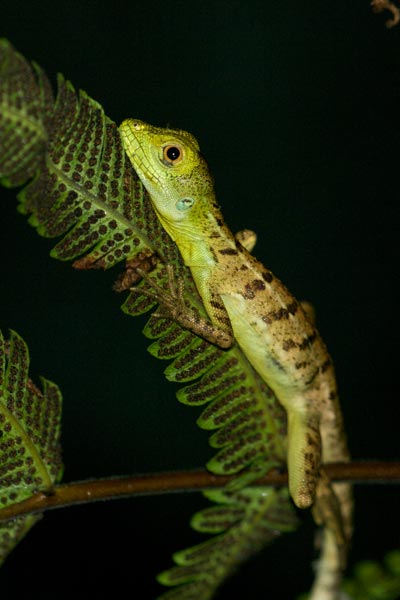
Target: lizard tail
[(333, 510), (328, 570)]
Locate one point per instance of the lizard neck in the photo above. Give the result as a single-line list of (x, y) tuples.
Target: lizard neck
[(202, 238), (206, 245)]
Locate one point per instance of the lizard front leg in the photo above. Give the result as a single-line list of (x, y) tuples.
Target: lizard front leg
[(172, 306)]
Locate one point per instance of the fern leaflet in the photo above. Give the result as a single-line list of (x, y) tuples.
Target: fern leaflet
[(30, 454), (25, 102), (248, 520)]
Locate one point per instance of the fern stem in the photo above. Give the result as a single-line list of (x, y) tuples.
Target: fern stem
[(92, 490)]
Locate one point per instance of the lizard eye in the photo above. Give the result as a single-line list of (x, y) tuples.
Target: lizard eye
[(172, 155)]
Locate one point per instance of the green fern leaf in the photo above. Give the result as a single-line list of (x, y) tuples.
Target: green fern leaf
[(25, 102), (249, 427), (248, 519), (30, 455), (86, 191), (83, 187), (83, 191)]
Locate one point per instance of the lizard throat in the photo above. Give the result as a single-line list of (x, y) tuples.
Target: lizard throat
[(199, 243)]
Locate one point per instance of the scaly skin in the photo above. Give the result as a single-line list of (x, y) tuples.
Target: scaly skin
[(246, 301)]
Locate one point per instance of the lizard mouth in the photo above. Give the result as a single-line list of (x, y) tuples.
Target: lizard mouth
[(132, 133)]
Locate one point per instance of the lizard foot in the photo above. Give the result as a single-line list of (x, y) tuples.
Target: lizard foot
[(172, 306), (171, 302)]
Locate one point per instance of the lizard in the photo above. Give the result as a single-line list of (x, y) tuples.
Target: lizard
[(248, 305)]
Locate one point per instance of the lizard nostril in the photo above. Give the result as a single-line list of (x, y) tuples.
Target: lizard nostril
[(136, 124)]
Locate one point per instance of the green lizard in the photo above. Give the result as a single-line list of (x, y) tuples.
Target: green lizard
[(246, 303)]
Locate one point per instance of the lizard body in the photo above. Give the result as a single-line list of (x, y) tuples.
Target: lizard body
[(246, 301)]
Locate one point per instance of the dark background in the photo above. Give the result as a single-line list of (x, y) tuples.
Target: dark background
[(296, 106)]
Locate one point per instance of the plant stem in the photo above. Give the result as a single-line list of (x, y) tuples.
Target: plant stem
[(92, 490)]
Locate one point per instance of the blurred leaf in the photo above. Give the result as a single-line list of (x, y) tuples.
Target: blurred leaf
[(30, 453)]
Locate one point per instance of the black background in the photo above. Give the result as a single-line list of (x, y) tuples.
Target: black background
[(296, 106)]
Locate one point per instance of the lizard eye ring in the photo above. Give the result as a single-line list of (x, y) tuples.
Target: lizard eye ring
[(172, 154), (184, 203)]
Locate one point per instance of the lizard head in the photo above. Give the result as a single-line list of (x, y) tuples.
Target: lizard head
[(172, 169)]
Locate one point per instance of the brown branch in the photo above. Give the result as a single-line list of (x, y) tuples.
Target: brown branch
[(92, 490)]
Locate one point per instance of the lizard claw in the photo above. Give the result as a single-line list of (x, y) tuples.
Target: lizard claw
[(171, 303)]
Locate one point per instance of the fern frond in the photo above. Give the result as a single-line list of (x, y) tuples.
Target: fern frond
[(243, 523), (25, 103), (83, 186), (30, 454), (249, 428), (86, 191)]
